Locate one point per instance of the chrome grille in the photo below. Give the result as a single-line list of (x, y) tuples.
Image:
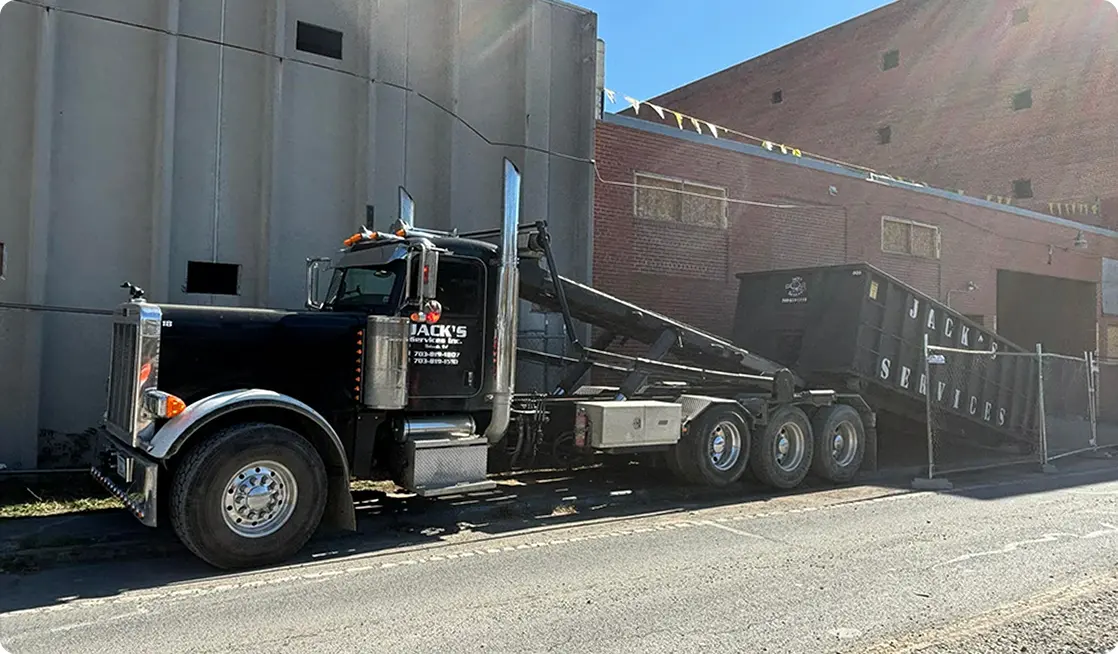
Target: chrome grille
[(123, 379)]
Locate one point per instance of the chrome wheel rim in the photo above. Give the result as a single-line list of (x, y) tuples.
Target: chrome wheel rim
[(724, 445), (788, 447), (259, 499), (844, 443)]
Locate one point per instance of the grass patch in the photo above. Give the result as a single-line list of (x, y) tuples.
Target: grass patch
[(53, 495), (47, 507), (383, 486)]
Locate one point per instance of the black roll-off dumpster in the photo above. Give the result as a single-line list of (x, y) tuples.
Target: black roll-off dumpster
[(855, 327)]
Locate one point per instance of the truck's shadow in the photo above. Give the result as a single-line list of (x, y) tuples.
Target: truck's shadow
[(526, 501)]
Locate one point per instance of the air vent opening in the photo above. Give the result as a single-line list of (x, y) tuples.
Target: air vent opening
[(208, 278), (318, 40)]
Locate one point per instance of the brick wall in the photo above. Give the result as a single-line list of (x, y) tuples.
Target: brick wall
[(688, 272), (948, 102)]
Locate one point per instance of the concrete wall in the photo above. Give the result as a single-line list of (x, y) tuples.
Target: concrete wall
[(138, 135), (787, 212), (948, 102)]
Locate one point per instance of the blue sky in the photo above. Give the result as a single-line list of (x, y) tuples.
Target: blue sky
[(654, 46)]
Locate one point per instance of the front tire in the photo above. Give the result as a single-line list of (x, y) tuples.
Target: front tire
[(782, 453), (250, 495)]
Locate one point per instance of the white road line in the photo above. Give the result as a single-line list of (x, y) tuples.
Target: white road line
[(93, 623), (739, 532), (1108, 530)]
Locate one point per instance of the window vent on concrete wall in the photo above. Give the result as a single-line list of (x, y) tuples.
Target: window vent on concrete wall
[(1023, 100), (318, 40), (1020, 15), (3, 261), (907, 237), (206, 278), (679, 201), (885, 135), (778, 96), (891, 59), (1023, 189)]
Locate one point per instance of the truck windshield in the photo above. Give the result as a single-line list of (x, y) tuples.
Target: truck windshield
[(374, 290)]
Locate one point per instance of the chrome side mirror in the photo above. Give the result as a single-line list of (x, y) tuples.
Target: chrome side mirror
[(313, 274), (407, 208)]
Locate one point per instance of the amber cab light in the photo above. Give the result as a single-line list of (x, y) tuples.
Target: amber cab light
[(163, 405)]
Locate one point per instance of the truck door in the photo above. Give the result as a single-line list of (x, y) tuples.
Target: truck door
[(445, 359)]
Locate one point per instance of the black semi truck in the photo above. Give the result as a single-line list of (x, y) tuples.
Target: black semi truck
[(244, 427)]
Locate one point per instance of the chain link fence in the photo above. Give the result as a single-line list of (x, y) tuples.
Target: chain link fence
[(1069, 424), (982, 410), (988, 409), (1106, 402)]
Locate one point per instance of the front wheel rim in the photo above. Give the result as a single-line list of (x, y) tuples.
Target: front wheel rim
[(259, 499), (788, 447)]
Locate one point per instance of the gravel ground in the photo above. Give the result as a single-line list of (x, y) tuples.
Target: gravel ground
[(1082, 619)]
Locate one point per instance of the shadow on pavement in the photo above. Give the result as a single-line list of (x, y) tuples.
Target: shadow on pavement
[(150, 559)]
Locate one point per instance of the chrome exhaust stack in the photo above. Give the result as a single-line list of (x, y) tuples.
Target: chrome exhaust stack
[(508, 305)]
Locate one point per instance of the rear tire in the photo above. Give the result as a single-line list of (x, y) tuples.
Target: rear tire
[(782, 453), (250, 495), (840, 443), (715, 449)]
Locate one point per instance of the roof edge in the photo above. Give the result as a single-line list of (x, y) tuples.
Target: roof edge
[(822, 166)]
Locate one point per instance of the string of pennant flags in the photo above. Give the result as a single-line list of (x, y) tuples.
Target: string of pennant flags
[(720, 131)]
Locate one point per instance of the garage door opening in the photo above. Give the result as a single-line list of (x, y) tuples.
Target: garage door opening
[(1058, 313)]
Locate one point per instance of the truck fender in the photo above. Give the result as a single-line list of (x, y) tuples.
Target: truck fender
[(694, 405), (177, 431)]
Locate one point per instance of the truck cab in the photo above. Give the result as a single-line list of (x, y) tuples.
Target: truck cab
[(245, 426)]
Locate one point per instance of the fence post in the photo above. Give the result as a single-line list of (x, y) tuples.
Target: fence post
[(1093, 399), (928, 408), (1040, 401)]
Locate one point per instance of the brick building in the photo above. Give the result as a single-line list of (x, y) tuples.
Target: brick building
[(1008, 100), (747, 209)]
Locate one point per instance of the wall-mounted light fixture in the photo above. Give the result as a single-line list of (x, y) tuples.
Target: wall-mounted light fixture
[(1080, 240)]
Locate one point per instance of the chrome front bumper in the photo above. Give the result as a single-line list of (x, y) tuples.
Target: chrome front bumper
[(130, 476)]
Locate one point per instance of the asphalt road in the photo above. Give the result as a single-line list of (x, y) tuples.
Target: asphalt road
[(1009, 567)]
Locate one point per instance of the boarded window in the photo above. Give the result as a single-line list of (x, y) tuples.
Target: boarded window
[(891, 60), (675, 200), (658, 198), (1110, 287), (906, 237), (1023, 189)]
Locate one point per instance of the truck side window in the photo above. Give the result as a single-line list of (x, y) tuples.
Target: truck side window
[(373, 289), (460, 287)]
